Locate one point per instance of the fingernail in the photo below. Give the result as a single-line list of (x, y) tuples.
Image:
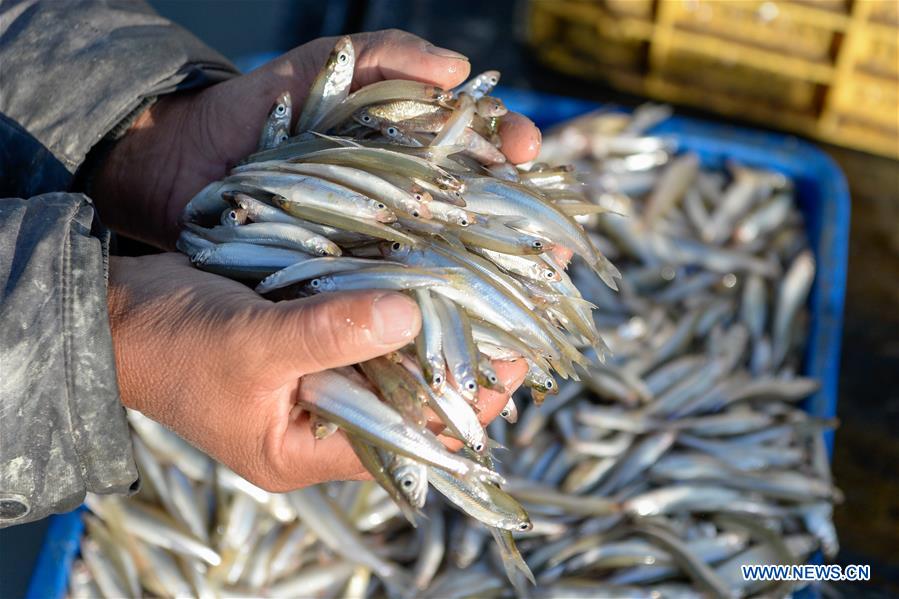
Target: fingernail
[(445, 53), (393, 316)]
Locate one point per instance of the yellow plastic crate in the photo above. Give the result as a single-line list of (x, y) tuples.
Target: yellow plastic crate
[(823, 68), (734, 79), (754, 23)]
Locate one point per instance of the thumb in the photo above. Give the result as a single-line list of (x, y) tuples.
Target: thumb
[(340, 329)]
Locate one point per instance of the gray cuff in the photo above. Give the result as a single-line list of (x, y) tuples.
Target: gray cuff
[(63, 430), (81, 66)]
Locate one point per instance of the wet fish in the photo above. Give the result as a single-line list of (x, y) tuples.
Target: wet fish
[(331, 85), (277, 125)]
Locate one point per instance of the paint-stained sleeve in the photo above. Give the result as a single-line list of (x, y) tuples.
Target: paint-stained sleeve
[(63, 430), (74, 69)]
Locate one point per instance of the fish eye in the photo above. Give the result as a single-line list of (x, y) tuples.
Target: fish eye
[(492, 378), (550, 274), (537, 245), (418, 197), (366, 118), (479, 447), (463, 221), (342, 58), (282, 137), (392, 131), (549, 384), (395, 246), (438, 379), (492, 80), (524, 526), (407, 482), (232, 215), (471, 385), (315, 283), (504, 413), (380, 206), (415, 213), (280, 109)]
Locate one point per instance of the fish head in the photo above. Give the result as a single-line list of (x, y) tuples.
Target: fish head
[(544, 273), (487, 378), (541, 382), (509, 412), (460, 217), (325, 247), (417, 209), (419, 194), (412, 479), (516, 521), (434, 371), (341, 63), (490, 107), (467, 385), (233, 217), (321, 285), (452, 185), (396, 134), (491, 78), (395, 250), (536, 245), (365, 118), (280, 114), (380, 211)]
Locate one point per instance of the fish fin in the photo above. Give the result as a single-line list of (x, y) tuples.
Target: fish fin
[(343, 141), (579, 301), (491, 444), (452, 240), (514, 565), (441, 153), (606, 271)]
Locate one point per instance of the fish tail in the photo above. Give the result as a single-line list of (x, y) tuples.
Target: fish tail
[(606, 271)]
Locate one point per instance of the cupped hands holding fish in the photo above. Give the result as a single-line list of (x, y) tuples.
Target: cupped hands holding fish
[(207, 356), (186, 140), (221, 366)]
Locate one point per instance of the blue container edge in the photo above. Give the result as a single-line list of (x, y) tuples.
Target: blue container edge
[(711, 141)]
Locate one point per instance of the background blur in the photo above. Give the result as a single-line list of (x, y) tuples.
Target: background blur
[(494, 35)]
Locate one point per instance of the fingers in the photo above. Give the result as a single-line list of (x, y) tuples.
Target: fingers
[(387, 54), (562, 255), (491, 403), (340, 329), (394, 54), (521, 138), (318, 460)]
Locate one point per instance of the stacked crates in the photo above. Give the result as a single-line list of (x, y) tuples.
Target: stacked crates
[(823, 68)]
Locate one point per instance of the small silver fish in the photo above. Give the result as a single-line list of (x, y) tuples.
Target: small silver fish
[(277, 124)]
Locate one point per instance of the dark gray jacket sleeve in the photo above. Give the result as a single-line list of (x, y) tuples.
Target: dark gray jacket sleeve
[(70, 72), (63, 427)]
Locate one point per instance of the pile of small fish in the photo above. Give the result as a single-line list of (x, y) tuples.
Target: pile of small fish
[(657, 474)]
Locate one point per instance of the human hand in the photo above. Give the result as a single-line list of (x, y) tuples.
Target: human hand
[(221, 366), (187, 140)]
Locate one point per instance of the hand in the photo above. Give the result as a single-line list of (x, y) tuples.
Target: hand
[(187, 140), (221, 366)]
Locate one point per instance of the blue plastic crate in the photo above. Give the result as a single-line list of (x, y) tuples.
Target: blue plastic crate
[(823, 198)]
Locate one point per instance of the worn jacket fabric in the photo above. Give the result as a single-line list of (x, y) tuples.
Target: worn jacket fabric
[(70, 72)]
